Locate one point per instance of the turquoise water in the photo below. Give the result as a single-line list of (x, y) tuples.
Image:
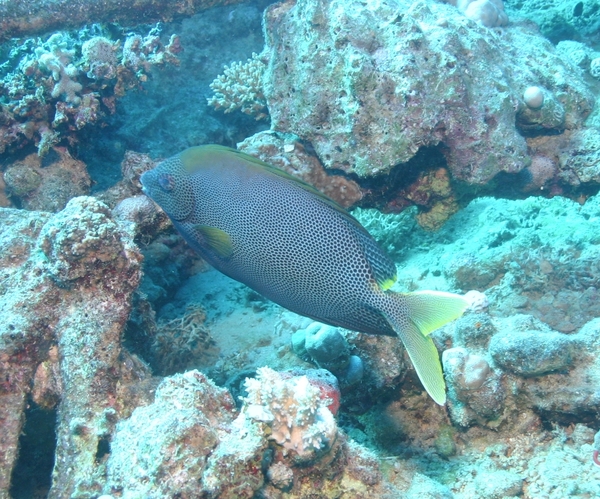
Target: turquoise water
[(464, 139)]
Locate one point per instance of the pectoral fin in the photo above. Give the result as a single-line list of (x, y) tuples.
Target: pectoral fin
[(216, 239)]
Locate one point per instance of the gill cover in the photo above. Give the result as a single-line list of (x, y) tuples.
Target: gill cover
[(170, 186)]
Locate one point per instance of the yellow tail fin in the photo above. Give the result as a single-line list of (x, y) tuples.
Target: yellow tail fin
[(414, 316)]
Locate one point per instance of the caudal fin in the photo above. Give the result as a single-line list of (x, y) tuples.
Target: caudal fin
[(414, 316)]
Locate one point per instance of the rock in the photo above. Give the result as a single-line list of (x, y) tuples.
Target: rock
[(531, 353), (369, 94)]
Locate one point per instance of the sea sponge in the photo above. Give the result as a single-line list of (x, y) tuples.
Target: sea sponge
[(327, 346)]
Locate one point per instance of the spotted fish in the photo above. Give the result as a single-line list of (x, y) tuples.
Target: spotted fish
[(284, 239)]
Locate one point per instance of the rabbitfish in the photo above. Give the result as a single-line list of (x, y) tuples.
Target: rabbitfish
[(293, 245)]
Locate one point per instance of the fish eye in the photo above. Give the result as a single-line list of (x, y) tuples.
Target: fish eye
[(166, 182)]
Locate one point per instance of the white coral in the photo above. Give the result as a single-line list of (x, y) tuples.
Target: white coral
[(240, 87), (55, 57), (58, 63), (292, 408)]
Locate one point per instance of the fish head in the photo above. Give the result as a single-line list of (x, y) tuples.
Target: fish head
[(170, 185)]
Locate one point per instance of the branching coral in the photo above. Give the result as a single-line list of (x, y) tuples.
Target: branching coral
[(57, 60), (184, 341), (240, 87)]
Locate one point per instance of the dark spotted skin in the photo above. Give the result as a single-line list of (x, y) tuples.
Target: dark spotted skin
[(296, 247), (290, 244)]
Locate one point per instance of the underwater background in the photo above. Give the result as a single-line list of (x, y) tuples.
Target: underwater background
[(464, 136)]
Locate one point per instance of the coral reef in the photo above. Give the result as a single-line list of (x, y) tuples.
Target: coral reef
[(46, 185), (67, 284), (49, 93), (523, 360), (509, 375), (163, 448), (445, 101), (132, 167), (189, 442), (340, 105), (57, 60), (582, 160), (171, 113), (368, 95)]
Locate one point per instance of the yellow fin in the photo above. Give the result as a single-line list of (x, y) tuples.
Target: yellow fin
[(413, 317), (429, 310), (387, 284), (218, 240), (426, 359)]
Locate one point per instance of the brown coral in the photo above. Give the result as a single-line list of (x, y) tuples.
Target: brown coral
[(184, 342), (48, 187)]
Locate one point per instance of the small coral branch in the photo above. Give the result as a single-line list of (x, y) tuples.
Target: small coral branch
[(240, 87), (183, 342)]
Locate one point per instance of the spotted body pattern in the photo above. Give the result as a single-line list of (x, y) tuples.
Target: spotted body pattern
[(296, 247)]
